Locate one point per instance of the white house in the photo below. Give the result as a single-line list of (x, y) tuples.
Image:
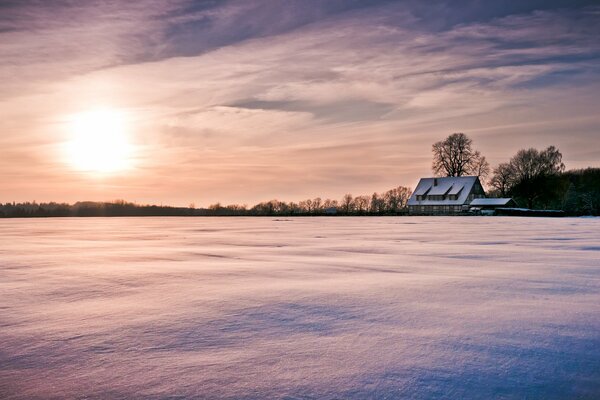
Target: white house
[(443, 196)]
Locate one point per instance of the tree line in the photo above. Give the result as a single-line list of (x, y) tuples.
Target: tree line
[(391, 202), (536, 179)]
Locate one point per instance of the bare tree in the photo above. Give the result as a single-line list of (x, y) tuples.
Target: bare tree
[(347, 203), (361, 204), (306, 206), (396, 199), (503, 178), (403, 196), (531, 172), (267, 207), (317, 205), (531, 163), (390, 199), (481, 167), (328, 204), (280, 207), (237, 208), (294, 208), (377, 203), (455, 156)]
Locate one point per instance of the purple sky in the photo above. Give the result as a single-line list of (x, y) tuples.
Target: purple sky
[(242, 101)]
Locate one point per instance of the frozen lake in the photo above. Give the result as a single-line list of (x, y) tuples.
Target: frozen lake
[(324, 308)]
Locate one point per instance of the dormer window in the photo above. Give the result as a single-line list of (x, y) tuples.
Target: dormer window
[(437, 197)]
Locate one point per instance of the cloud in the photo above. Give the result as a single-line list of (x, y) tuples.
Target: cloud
[(332, 98)]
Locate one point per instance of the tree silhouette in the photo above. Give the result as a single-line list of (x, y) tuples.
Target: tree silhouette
[(533, 171), (455, 156)]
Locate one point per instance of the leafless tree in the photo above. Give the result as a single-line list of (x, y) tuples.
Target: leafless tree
[(403, 196), (361, 204), (377, 203), (266, 207), (347, 203), (396, 199), (390, 199), (531, 163), (237, 207), (531, 169), (317, 205), (328, 203), (294, 208), (306, 206), (455, 156), (481, 167), (503, 179)]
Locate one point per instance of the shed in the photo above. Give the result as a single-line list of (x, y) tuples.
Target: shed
[(492, 203)]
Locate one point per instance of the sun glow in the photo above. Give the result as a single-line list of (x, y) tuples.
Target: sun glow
[(99, 142)]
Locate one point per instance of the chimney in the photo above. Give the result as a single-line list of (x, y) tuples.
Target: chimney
[(434, 181)]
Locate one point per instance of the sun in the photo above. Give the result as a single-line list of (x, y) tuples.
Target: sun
[(99, 141)]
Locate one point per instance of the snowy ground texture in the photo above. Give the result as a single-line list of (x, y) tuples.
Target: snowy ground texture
[(324, 308)]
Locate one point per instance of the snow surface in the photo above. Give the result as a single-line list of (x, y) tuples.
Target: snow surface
[(253, 308)]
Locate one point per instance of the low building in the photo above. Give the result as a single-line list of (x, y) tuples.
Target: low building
[(490, 204), (445, 196), (330, 211)]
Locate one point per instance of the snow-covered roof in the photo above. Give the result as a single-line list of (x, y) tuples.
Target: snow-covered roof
[(449, 184), (455, 189), (490, 202), (421, 190), (442, 187)]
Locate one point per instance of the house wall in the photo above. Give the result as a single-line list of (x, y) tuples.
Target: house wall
[(477, 192), (434, 210)]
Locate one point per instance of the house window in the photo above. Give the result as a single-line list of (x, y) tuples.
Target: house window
[(435, 197)]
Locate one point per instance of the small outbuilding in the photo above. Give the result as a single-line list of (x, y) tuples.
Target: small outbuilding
[(493, 203)]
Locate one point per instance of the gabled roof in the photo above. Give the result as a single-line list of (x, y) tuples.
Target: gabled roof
[(491, 202), (450, 185)]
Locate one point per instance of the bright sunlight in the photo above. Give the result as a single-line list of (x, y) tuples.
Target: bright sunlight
[(99, 141)]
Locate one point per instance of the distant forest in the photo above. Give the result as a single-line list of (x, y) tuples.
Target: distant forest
[(392, 202), (577, 192)]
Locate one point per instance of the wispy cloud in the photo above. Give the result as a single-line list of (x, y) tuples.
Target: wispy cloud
[(315, 98)]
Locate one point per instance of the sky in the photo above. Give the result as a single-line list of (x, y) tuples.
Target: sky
[(180, 101)]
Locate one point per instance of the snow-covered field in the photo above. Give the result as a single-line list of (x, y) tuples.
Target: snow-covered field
[(324, 308)]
